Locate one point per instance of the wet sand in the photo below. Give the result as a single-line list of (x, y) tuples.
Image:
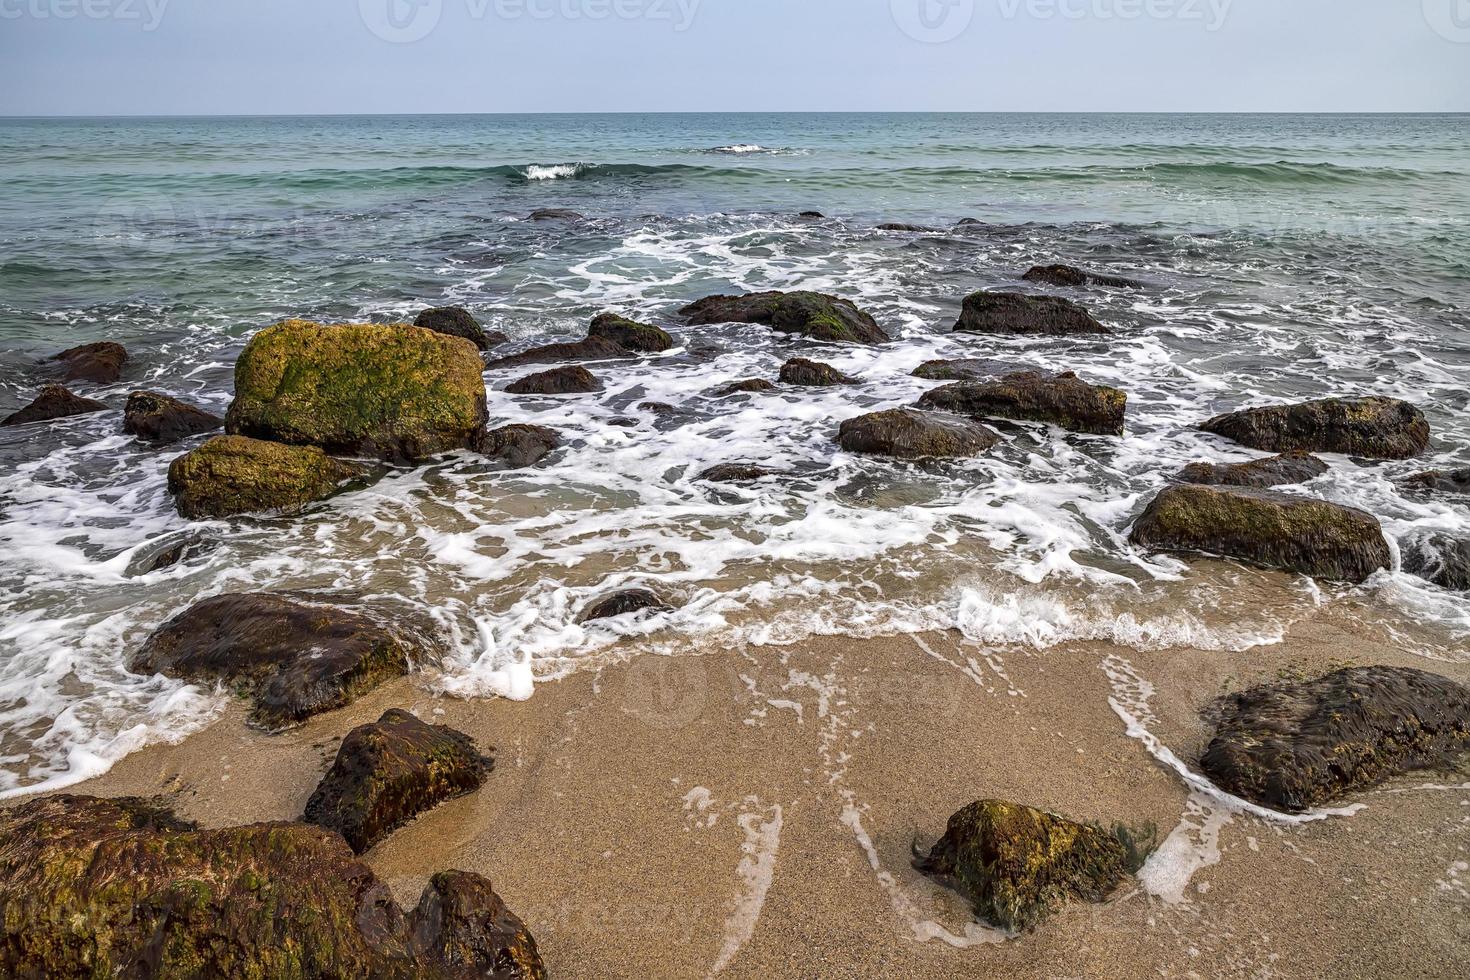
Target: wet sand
[(752, 813)]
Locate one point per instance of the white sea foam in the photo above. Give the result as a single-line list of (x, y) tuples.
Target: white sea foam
[(559, 171)]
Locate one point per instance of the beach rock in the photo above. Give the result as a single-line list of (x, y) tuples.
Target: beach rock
[(168, 552), (397, 393), (622, 604), (555, 214), (631, 334), (1375, 428), (907, 433), (157, 418), (557, 381), (1277, 471), (456, 321), (519, 446), (1071, 276), (1297, 534), (232, 475), (388, 773), (1063, 400), (899, 226), (123, 888), (589, 349), (296, 657), (98, 363), (1016, 314), (1440, 481), (1296, 746), (969, 369), (811, 216), (813, 315), (54, 402), (1018, 865), (751, 386), (735, 473), (1441, 560), (814, 374)]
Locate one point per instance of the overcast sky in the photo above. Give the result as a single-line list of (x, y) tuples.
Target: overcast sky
[(393, 56)]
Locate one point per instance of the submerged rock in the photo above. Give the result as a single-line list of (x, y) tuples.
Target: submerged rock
[(1440, 560), (813, 315), (969, 369), (158, 418), (295, 657), (589, 349), (750, 386), (1440, 481), (555, 214), (232, 475), (456, 321), (123, 888), (397, 393), (100, 363), (900, 226), (54, 402), (630, 334), (1296, 534), (811, 215), (168, 552), (1376, 428), (1018, 865), (519, 446), (1019, 314), (1071, 276), (814, 374), (735, 473), (1277, 471), (557, 381), (622, 604), (388, 773), (1295, 746), (907, 433), (1031, 396)]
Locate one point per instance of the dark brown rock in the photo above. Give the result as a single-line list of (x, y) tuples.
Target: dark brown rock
[(519, 446), (1440, 560), (735, 473), (630, 334), (970, 369), (622, 604), (456, 321), (906, 433), (1440, 481), (157, 418), (557, 381), (555, 214), (900, 226), (814, 374), (1375, 428), (1296, 746), (813, 315), (1071, 276), (54, 402), (1277, 471), (1016, 314), (98, 363), (590, 349), (1063, 400), (462, 923), (750, 386)]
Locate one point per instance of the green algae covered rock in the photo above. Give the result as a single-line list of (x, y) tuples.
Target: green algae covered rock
[(123, 888), (231, 475), (906, 433), (389, 772), (813, 315), (1376, 428), (397, 393), (1034, 396), (631, 334), (1296, 534), (1276, 471), (1018, 865)]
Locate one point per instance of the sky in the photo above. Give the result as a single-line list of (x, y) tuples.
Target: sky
[(162, 57)]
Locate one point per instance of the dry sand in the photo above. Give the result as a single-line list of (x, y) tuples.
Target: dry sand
[(752, 812)]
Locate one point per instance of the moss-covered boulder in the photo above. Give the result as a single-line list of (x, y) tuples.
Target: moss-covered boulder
[(1439, 559), (630, 334), (1266, 527), (294, 656), (100, 363), (813, 315), (558, 381), (456, 321), (813, 374), (123, 888), (1276, 471), (906, 433), (54, 402), (158, 418), (1295, 746), (1033, 396), (519, 446), (396, 392), (389, 772), (736, 473), (623, 603), (750, 386), (1375, 428), (588, 349), (968, 369), (1074, 278), (1018, 865), (1440, 481), (233, 475), (1016, 314)]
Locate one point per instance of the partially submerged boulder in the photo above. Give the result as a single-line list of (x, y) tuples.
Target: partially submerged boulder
[(809, 314), (968, 369), (1296, 746), (901, 226), (1375, 428), (1266, 527), (623, 603), (389, 772), (456, 321), (100, 363), (589, 349), (295, 656), (556, 214), (519, 446), (123, 888), (54, 402), (1275, 471), (232, 475), (1032, 396), (1440, 560), (1073, 277), (1440, 481), (907, 433), (750, 386), (736, 473), (1017, 314), (159, 418), (814, 374), (630, 334), (557, 381), (397, 393), (1017, 865)]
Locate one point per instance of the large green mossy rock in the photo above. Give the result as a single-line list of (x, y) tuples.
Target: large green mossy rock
[(396, 392), (1033, 396), (630, 334), (1377, 428), (122, 888), (814, 315), (1017, 865), (231, 475)]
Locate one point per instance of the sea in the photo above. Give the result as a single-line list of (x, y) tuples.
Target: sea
[(1282, 257)]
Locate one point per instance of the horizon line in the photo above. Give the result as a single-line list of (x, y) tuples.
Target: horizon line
[(746, 112)]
